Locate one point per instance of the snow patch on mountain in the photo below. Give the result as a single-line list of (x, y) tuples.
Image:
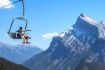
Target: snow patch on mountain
[(88, 19), (18, 53)]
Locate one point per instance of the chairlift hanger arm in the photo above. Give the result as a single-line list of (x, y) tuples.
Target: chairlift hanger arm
[(23, 8), (11, 26)]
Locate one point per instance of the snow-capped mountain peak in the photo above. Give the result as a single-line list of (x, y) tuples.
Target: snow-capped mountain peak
[(84, 42), (88, 19)]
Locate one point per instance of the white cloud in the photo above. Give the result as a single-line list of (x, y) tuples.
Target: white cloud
[(50, 35), (5, 3)]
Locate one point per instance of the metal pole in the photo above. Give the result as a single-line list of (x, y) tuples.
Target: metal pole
[(26, 25), (23, 13), (10, 26)]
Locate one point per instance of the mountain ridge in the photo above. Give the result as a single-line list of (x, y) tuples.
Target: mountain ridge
[(66, 52), (18, 53)]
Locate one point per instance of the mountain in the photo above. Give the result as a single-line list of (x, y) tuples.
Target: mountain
[(7, 65), (84, 40), (18, 53), (85, 65)]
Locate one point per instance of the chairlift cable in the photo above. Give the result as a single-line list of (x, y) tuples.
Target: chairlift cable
[(23, 7), (11, 4)]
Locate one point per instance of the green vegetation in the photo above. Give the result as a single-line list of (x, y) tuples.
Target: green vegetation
[(7, 65)]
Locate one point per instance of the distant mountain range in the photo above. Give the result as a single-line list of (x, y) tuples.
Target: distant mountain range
[(82, 47), (18, 53), (7, 65)]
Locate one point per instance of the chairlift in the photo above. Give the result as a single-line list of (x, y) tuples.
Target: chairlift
[(16, 35)]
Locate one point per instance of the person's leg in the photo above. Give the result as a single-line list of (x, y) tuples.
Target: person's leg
[(26, 39), (23, 38)]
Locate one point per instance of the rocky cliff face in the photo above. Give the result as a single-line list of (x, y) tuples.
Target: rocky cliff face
[(86, 40)]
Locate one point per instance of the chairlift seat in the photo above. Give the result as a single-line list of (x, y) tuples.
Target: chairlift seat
[(15, 35)]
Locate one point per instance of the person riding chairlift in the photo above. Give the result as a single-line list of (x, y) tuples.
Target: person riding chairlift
[(24, 37)]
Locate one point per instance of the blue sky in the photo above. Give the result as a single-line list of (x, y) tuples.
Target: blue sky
[(48, 16)]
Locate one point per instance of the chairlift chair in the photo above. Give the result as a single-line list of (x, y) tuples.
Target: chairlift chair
[(16, 35)]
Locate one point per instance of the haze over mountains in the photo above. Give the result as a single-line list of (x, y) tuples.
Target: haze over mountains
[(82, 47), (18, 53)]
